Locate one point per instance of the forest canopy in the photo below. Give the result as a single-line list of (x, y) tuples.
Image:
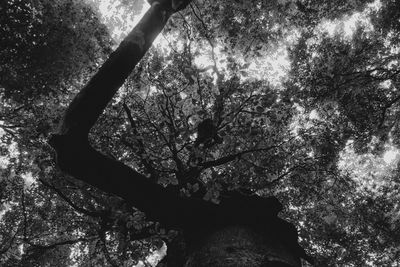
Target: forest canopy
[(304, 100)]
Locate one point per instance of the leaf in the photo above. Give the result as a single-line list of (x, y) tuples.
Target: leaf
[(330, 219)]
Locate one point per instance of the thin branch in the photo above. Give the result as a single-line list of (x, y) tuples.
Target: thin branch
[(230, 158), (241, 107), (72, 204), (11, 126), (385, 108), (202, 22), (147, 164), (25, 219), (105, 250), (61, 243), (6, 248)]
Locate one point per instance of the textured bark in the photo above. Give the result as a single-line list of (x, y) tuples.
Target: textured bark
[(242, 246), (236, 233)]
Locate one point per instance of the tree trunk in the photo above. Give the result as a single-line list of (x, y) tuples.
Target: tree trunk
[(241, 246), (218, 235)]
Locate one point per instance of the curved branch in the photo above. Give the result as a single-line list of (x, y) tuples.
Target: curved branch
[(77, 158)]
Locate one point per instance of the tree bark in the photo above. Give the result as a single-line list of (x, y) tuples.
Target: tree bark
[(229, 234), (241, 246)]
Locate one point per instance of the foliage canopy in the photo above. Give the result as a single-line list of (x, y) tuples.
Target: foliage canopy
[(303, 94)]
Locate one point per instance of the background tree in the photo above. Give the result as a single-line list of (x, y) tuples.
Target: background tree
[(315, 138)]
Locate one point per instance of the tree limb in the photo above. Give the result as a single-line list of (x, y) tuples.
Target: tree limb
[(90, 102), (77, 158)]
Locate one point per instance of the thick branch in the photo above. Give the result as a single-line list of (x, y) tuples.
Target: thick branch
[(83, 162), (90, 102), (77, 158)]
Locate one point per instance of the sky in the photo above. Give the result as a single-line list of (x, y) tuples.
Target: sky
[(275, 65)]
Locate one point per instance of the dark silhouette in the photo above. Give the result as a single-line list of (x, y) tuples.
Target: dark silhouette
[(207, 134), (240, 231)]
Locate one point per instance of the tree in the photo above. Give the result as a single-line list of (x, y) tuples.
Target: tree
[(313, 138), (201, 221)]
